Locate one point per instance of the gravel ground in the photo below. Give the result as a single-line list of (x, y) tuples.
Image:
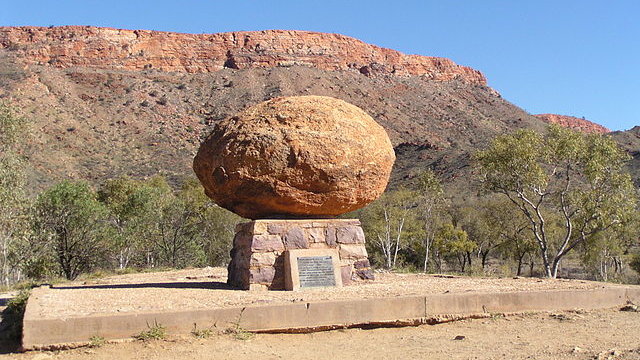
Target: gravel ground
[(599, 334), (205, 288)]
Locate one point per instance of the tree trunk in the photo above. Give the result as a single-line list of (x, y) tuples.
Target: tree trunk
[(485, 256), (549, 269), (462, 260), (397, 246), (531, 266), (426, 258), (520, 260), (5, 263), (554, 268), (439, 261)]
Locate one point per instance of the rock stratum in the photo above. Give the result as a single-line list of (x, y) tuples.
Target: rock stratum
[(574, 123), (96, 113), (107, 48), (300, 156)]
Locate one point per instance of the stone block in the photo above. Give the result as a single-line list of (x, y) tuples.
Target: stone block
[(363, 269), (278, 279), (238, 278), (257, 255), (260, 227), (330, 236), (258, 287), (345, 272), (242, 239), (275, 228), (362, 264), (263, 259), (295, 238), (267, 243), (318, 246), (316, 235), (242, 261), (243, 228), (263, 275), (350, 235), (347, 261), (365, 274), (353, 251)]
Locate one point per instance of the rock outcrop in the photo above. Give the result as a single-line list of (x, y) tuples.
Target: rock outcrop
[(302, 156), (108, 48), (574, 123)]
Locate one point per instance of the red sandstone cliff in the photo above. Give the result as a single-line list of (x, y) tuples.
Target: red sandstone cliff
[(573, 123), (109, 48)]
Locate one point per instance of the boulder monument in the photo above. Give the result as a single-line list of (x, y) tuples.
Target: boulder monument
[(295, 157), (292, 164)]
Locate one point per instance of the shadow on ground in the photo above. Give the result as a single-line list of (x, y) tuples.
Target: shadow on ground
[(211, 285), (10, 330)]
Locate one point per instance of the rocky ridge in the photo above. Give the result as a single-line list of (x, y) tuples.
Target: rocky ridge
[(98, 112), (574, 123), (108, 48)]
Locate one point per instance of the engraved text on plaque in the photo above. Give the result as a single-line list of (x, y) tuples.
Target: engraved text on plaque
[(316, 271)]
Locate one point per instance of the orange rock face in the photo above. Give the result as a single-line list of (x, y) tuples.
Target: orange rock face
[(303, 156), (574, 123), (108, 48)]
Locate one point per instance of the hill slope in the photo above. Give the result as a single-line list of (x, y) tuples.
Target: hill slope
[(573, 122), (107, 102)]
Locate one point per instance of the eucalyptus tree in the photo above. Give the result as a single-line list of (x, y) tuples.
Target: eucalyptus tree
[(603, 255), (453, 243), (13, 200), (577, 178), (217, 225), (134, 207), (431, 202), (509, 232), (72, 222), (390, 222)]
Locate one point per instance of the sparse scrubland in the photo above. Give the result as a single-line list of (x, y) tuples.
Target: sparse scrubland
[(547, 205)]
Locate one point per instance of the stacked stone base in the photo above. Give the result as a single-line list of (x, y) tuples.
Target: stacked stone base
[(257, 257)]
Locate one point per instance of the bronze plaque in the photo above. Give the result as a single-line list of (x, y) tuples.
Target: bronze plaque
[(316, 271)]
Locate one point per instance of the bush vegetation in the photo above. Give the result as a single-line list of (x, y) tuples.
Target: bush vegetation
[(154, 332), (545, 200), (73, 228)]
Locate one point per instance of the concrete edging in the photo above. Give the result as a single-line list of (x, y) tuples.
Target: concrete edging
[(40, 333)]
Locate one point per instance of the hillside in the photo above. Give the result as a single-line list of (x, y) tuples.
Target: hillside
[(573, 122), (107, 102)]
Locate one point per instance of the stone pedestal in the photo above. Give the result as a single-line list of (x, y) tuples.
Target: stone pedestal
[(257, 259)]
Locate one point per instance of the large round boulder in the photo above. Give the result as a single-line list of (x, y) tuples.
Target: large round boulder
[(295, 157)]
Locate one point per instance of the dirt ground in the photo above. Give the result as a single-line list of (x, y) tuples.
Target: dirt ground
[(605, 334), (602, 334), (206, 288)]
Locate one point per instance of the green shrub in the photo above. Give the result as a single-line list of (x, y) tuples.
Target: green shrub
[(155, 332), (96, 341), (18, 303), (635, 263), (201, 333)]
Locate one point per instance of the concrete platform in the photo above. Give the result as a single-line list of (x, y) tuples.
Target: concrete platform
[(67, 330)]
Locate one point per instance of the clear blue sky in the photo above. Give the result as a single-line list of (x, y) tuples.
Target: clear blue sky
[(570, 57)]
